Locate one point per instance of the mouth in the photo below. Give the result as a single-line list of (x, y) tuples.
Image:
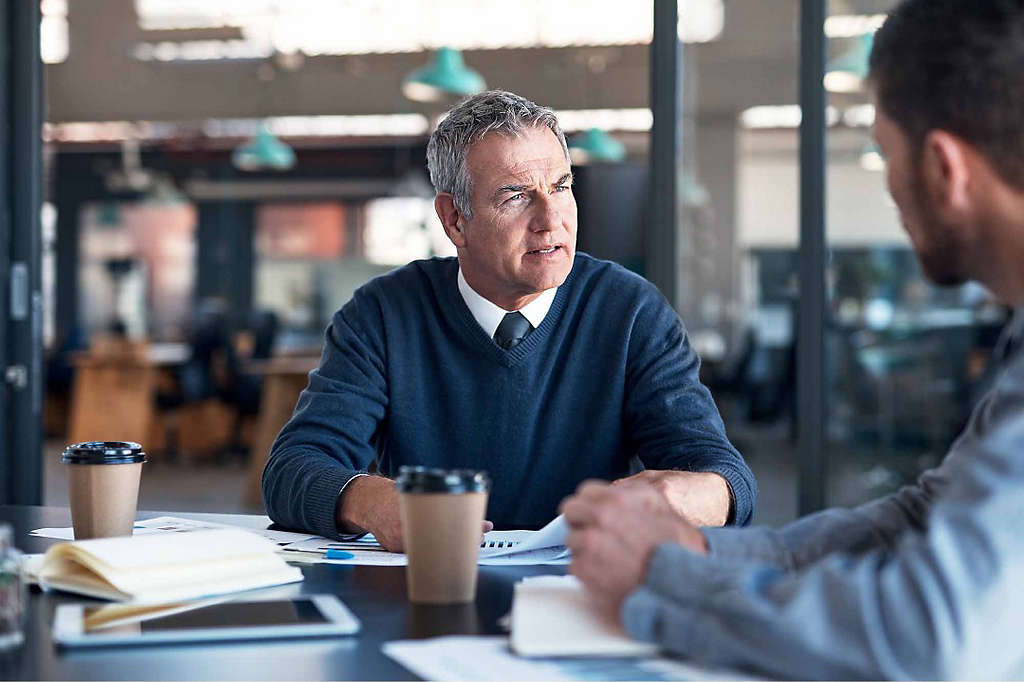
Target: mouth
[(545, 251)]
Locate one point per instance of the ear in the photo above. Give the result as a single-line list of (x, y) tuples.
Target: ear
[(946, 172), (451, 218)]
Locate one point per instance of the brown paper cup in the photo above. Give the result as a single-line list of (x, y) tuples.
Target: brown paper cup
[(441, 532), (103, 498), (103, 488)]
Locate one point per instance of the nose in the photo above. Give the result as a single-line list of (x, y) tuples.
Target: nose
[(548, 216)]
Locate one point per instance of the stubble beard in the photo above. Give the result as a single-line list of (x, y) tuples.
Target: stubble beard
[(942, 252)]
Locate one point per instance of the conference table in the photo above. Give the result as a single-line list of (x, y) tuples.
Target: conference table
[(375, 594)]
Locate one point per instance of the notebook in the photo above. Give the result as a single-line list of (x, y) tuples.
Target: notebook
[(552, 616), (153, 569)]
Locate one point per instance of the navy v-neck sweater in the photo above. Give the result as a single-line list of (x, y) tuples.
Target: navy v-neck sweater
[(407, 376)]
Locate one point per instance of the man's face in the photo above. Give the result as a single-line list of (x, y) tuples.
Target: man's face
[(522, 237), (939, 244)]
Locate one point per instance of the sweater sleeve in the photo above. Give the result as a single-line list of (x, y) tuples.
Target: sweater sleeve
[(330, 436), (672, 419)]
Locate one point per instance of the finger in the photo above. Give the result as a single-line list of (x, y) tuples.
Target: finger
[(488, 526), (592, 486), (579, 511)]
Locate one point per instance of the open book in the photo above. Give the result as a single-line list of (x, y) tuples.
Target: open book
[(553, 616), (158, 569)]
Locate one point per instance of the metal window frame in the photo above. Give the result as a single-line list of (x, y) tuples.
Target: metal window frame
[(21, 106), (662, 241)]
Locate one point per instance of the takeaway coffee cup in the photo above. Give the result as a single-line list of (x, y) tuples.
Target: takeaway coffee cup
[(442, 514), (103, 479)]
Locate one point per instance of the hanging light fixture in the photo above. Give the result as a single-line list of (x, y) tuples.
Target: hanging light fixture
[(846, 73), (444, 76), (871, 158), (595, 146), (263, 152)]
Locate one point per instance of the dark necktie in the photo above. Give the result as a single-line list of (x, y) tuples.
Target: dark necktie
[(513, 329)]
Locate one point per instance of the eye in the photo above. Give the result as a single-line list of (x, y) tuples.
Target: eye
[(515, 197), (562, 188)]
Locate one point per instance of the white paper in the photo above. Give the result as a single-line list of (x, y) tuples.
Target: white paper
[(173, 524), (499, 548), (551, 537), (489, 658)]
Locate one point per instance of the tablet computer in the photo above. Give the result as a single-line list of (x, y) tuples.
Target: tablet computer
[(203, 621)]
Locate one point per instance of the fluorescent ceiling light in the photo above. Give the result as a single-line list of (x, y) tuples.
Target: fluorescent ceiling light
[(317, 27), (53, 31), (852, 25), (700, 21), (843, 82), (393, 125), (634, 120), (782, 116), (779, 116), (859, 116)]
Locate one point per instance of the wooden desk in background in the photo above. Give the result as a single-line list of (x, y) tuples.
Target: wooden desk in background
[(113, 388), (283, 381)]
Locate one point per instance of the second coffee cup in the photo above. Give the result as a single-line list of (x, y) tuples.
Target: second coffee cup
[(103, 478), (442, 514)]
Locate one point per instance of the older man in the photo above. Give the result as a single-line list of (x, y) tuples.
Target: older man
[(926, 583), (539, 365)]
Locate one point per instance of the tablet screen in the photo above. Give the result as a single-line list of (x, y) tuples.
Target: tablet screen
[(223, 615)]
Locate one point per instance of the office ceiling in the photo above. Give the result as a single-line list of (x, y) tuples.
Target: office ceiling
[(754, 61)]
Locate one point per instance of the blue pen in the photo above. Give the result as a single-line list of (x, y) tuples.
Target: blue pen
[(339, 554)]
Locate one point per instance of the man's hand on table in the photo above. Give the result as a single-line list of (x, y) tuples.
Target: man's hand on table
[(614, 530), (370, 503), (702, 498)]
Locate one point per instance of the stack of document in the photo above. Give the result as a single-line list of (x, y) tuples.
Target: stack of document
[(499, 548)]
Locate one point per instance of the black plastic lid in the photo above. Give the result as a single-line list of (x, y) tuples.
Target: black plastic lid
[(103, 452), (416, 479)]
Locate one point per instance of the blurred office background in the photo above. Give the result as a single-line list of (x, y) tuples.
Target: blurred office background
[(220, 176)]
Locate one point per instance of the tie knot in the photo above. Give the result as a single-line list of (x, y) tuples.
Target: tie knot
[(513, 328)]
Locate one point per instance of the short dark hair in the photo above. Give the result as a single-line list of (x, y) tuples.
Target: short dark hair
[(958, 66)]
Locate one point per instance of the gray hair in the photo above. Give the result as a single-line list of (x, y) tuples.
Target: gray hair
[(492, 111)]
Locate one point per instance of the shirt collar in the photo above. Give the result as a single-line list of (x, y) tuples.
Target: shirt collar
[(489, 315)]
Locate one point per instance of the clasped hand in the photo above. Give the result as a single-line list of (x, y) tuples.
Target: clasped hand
[(614, 530)]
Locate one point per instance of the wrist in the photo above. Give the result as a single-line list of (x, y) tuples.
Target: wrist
[(360, 502)]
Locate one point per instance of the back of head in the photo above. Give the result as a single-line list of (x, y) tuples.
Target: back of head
[(957, 66), (495, 111)]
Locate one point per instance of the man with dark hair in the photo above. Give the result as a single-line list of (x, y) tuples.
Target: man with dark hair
[(542, 366), (925, 583)]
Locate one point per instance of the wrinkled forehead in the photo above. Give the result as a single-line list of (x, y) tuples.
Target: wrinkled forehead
[(533, 151)]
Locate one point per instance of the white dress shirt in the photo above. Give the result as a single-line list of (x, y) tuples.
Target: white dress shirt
[(489, 316)]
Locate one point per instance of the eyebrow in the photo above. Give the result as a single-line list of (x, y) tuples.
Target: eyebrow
[(511, 189)]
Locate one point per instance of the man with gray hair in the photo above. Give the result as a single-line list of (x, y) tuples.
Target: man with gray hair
[(520, 357)]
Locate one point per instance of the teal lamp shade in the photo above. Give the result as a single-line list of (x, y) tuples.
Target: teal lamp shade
[(846, 73), (263, 152), (871, 158), (443, 77), (596, 146)]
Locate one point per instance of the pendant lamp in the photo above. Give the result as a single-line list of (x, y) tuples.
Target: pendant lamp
[(596, 146), (846, 73), (263, 152), (443, 77)]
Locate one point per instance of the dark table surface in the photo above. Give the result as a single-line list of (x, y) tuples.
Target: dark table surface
[(376, 594)]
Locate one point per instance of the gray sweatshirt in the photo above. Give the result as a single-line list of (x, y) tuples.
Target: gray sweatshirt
[(927, 583)]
